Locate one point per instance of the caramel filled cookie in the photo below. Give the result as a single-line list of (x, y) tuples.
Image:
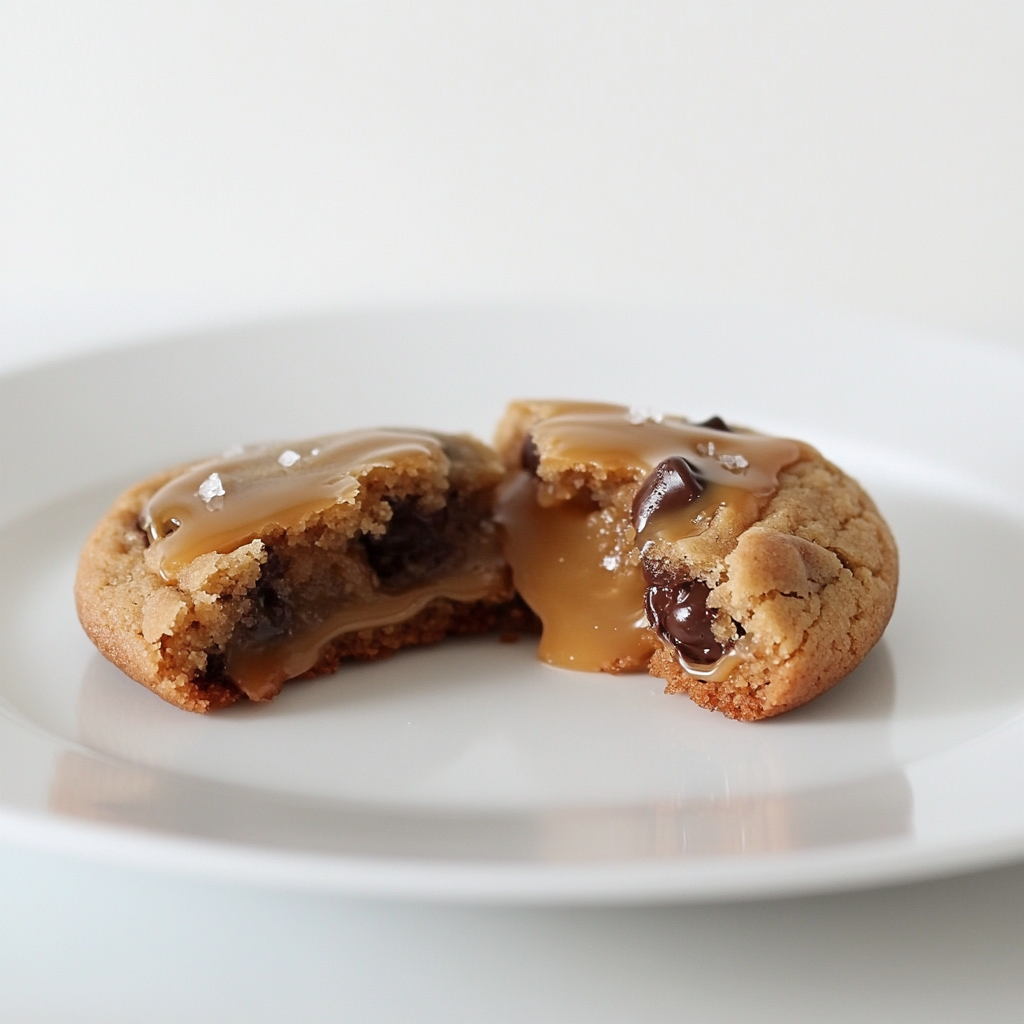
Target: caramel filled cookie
[(747, 571), (226, 578)]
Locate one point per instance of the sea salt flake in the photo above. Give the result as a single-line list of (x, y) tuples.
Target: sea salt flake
[(610, 562), (643, 414), (733, 461), (211, 490), (315, 451), (288, 458)]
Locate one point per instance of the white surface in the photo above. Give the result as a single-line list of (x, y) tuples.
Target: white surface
[(472, 770), (175, 164), (89, 944)]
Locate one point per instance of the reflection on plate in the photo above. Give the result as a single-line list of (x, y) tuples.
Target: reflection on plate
[(470, 770)]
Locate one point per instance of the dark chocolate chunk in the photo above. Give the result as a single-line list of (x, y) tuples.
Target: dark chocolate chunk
[(715, 423), (674, 484), (529, 456), (677, 609), (415, 544), (271, 614), (216, 672)]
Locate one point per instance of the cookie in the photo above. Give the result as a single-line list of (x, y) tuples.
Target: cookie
[(747, 571), (224, 579)]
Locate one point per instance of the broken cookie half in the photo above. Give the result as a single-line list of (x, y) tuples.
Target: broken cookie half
[(226, 578), (747, 571)]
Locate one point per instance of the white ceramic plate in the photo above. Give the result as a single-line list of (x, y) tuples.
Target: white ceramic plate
[(469, 770)]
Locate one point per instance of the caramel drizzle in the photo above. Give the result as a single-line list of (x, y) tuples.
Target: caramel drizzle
[(223, 503), (260, 672), (717, 671), (585, 584)]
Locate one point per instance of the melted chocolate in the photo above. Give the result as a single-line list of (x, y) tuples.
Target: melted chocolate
[(678, 610), (715, 423), (414, 545), (272, 615), (529, 456), (673, 485), (215, 674)]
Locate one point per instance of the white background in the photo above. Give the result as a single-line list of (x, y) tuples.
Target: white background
[(174, 165)]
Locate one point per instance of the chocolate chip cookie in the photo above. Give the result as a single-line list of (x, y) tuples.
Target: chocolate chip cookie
[(747, 571), (223, 579)]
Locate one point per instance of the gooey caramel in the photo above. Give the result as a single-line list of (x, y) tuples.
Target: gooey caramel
[(260, 672), (577, 568), (223, 503), (569, 566)]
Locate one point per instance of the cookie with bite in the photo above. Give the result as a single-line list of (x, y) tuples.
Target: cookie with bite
[(223, 579), (747, 571)]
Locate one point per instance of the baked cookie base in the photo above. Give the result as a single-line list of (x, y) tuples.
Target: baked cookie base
[(436, 622)]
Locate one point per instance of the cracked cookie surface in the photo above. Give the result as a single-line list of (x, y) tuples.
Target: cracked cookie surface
[(812, 582)]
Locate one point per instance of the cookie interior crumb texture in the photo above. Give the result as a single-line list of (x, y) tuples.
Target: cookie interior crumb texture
[(747, 571), (226, 578)]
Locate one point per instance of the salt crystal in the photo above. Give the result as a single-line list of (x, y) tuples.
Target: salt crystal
[(643, 414), (733, 461), (288, 458), (234, 451), (610, 562), (210, 490), (315, 451)]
